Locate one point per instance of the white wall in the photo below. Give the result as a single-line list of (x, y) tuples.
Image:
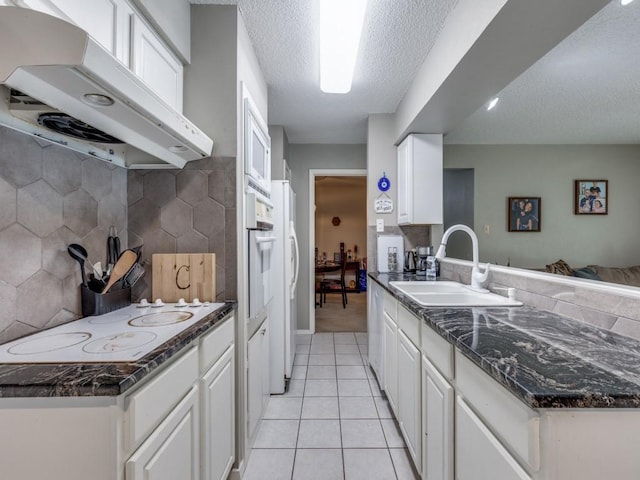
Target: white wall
[(549, 172), (343, 197), (302, 159)]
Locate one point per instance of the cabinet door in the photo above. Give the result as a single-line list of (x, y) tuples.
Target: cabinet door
[(155, 64), (375, 322), (218, 418), (437, 424), (255, 386), (405, 185), (479, 454), (266, 371), (172, 450), (410, 396), (391, 362)]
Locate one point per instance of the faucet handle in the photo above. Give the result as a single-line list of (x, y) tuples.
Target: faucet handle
[(511, 292)]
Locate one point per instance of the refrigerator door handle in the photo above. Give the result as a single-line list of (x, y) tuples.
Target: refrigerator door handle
[(296, 256)]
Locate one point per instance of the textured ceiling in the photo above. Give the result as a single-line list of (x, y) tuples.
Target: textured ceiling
[(397, 36), (584, 91)]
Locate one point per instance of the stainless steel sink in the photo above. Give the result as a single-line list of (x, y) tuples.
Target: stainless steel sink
[(451, 294)]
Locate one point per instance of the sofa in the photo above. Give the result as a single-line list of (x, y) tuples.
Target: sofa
[(621, 275)]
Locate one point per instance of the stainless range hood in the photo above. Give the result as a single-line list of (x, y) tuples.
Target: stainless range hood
[(50, 68)]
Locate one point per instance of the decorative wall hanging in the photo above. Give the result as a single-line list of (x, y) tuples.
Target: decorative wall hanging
[(335, 221), (383, 204), (524, 214), (591, 197)]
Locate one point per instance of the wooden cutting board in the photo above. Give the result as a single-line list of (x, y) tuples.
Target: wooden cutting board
[(184, 275)]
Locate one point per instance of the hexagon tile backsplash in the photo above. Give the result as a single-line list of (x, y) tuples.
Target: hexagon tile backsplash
[(51, 197)]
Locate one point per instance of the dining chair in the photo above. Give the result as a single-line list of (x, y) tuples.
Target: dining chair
[(335, 285)]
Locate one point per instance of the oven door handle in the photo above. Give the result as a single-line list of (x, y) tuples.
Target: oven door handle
[(260, 240)]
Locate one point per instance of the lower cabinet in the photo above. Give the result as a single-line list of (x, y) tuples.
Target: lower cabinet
[(409, 397), (437, 424), (258, 380), (171, 451), (390, 342), (479, 454), (218, 414)]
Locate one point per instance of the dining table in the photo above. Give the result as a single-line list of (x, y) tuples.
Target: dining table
[(327, 267)]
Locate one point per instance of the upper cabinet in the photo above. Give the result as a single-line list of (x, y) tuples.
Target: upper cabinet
[(420, 180), (122, 31), (154, 63)]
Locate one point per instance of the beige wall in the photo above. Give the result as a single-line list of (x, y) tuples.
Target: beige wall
[(549, 171), (343, 197)]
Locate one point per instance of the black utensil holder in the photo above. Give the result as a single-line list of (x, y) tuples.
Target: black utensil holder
[(94, 303)]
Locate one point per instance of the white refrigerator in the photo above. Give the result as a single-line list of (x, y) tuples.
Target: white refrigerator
[(284, 274)]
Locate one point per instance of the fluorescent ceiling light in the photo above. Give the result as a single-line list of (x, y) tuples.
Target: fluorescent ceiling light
[(340, 31), (625, 2), (493, 103)]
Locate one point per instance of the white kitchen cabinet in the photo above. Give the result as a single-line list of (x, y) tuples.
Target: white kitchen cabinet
[(437, 424), (258, 381), (217, 388), (479, 454), (155, 64), (420, 179), (391, 362), (410, 397), (171, 451)]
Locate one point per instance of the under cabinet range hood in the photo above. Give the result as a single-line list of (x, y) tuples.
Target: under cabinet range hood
[(61, 85)]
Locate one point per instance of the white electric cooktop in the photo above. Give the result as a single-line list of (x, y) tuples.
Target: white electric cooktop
[(120, 336)]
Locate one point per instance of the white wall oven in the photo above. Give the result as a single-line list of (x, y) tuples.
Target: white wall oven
[(261, 240)]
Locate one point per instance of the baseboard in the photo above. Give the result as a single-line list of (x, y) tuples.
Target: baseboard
[(304, 332)]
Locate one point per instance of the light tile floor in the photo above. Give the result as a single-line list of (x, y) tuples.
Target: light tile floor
[(333, 423)]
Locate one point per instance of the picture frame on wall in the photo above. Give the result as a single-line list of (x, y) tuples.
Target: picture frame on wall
[(591, 197), (524, 214)]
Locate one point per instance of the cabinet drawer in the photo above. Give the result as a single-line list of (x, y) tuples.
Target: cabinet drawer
[(216, 342), (390, 305), (145, 408), (513, 422), (409, 324), (438, 351)]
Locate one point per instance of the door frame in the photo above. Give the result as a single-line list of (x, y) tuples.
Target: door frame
[(313, 173)]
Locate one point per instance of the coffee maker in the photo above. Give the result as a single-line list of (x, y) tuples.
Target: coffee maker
[(423, 253)]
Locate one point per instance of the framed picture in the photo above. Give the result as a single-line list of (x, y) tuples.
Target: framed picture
[(524, 214), (591, 197)]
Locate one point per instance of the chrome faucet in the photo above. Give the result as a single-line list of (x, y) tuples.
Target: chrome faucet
[(478, 278)]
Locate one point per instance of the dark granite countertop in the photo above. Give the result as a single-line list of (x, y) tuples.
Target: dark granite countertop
[(544, 359), (98, 379)]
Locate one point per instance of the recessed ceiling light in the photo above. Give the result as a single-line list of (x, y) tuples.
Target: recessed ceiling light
[(492, 103), (340, 31), (625, 2), (97, 99)]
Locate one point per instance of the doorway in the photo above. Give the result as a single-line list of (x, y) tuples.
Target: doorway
[(338, 209)]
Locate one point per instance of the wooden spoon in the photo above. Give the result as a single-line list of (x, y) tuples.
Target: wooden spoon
[(122, 266)]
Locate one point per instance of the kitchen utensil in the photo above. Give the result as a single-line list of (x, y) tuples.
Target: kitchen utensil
[(113, 247), (120, 269), (79, 253), (133, 275)]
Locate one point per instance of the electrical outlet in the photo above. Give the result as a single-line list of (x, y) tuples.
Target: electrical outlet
[(380, 225), (487, 230)]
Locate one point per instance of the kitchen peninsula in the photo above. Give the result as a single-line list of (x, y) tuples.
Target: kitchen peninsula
[(534, 395)]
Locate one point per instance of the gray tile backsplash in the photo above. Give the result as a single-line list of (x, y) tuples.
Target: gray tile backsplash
[(186, 211), (52, 197)]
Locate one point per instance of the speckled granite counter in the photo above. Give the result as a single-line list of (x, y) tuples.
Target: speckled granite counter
[(98, 379), (546, 360)]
